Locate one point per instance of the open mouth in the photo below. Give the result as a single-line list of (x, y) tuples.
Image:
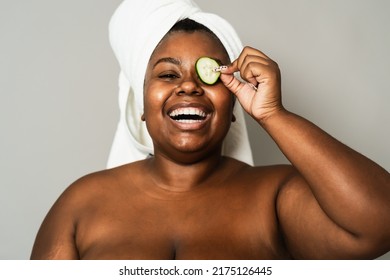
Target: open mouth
[(188, 115)]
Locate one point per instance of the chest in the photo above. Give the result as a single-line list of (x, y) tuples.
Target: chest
[(211, 226)]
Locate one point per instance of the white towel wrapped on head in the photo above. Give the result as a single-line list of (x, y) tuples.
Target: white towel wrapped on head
[(135, 30)]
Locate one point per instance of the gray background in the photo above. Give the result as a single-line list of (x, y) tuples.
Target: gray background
[(58, 89)]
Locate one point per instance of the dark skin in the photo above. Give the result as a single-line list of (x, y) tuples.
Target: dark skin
[(189, 202)]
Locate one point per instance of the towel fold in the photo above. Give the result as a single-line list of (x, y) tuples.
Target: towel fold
[(135, 29)]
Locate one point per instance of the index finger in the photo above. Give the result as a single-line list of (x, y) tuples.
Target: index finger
[(237, 64), (249, 51)]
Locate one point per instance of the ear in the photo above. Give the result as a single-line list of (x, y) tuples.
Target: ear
[(143, 117)]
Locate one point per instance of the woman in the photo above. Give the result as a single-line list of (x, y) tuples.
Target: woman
[(187, 201)]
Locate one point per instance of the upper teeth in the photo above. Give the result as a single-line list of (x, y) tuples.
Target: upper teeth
[(187, 111)]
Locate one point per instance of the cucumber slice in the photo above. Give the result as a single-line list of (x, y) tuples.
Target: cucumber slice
[(205, 68)]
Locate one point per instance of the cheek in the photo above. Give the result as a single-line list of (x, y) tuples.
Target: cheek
[(223, 101), (154, 99)]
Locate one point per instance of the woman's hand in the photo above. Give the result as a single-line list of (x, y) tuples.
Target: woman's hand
[(261, 96)]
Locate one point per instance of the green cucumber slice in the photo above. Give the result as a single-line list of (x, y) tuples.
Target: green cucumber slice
[(205, 69)]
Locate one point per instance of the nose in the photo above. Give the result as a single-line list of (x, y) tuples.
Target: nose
[(189, 86)]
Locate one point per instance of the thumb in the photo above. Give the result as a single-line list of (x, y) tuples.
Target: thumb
[(229, 80), (242, 90), (232, 83)]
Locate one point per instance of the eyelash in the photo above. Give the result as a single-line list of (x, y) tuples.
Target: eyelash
[(168, 76)]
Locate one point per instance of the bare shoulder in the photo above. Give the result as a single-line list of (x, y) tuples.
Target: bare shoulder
[(263, 181), (272, 176), (91, 188), (56, 238), (85, 190)]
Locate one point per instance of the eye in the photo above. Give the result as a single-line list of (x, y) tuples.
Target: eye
[(168, 76)]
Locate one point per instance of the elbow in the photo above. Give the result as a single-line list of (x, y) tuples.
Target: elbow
[(375, 244)]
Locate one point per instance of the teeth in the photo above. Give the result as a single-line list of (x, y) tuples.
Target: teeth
[(188, 111), (188, 121)]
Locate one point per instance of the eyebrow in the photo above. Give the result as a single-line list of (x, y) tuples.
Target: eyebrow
[(168, 60)]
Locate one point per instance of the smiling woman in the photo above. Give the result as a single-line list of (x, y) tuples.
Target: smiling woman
[(189, 201), (134, 47)]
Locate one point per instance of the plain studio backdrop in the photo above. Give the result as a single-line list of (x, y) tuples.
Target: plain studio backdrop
[(58, 89)]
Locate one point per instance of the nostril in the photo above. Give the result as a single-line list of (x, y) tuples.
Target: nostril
[(194, 92), (189, 87)]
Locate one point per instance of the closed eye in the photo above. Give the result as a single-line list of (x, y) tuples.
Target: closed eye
[(168, 76)]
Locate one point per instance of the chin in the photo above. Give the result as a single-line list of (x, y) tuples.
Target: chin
[(191, 145), (188, 150), (188, 154)]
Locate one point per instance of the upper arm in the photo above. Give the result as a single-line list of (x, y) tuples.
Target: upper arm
[(56, 236), (308, 232)]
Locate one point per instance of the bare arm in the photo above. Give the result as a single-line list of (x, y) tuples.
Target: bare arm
[(337, 205), (56, 236), (342, 201)]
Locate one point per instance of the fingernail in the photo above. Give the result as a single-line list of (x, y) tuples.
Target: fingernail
[(220, 68)]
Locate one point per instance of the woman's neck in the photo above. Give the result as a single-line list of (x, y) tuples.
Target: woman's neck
[(178, 176)]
